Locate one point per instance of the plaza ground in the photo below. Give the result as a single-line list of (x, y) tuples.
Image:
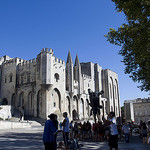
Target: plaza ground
[(31, 139)]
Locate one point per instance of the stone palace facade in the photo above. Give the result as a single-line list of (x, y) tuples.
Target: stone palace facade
[(137, 109), (49, 85)]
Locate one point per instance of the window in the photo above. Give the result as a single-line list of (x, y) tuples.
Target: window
[(10, 78), (136, 113), (28, 79), (54, 104), (56, 77)]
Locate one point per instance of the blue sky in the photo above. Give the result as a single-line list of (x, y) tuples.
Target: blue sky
[(27, 26)]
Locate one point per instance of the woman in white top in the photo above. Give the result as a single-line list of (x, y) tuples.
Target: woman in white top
[(113, 137)]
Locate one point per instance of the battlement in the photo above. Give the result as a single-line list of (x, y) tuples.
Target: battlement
[(12, 61), (60, 61), (27, 63), (48, 50)]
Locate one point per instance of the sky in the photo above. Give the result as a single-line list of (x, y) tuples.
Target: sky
[(27, 26)]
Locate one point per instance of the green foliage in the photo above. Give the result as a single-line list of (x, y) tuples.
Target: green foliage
[(134, 39)]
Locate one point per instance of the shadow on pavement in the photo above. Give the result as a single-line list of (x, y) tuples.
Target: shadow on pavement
[(16, 141)]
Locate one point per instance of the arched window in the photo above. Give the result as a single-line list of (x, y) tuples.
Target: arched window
[(56, 77)]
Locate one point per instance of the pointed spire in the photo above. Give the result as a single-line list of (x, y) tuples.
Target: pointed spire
[(69, 58), (77, 63)]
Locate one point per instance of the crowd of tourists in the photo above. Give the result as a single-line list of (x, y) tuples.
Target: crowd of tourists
[(105, 130)]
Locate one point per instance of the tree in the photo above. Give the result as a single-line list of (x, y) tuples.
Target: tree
[(134, 39)]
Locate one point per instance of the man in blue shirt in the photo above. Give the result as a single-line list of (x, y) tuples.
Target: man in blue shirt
[(48, 135)]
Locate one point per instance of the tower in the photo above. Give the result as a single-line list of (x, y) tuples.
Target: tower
[(77, 74), (69, 74)]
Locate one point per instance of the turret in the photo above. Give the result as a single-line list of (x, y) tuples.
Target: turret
[(77, 73), (44, 66), (69, 74)]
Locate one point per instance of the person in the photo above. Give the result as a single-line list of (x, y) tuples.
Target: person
[(71, 129), (21, 109), (140, 127), (148, 141), (65, 125), (113, 137), (131, 127), (144, 132), (100, 131), (56, 125), (49, 133), (126, 131)]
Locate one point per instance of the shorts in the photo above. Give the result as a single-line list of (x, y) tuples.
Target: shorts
[(113, 141)]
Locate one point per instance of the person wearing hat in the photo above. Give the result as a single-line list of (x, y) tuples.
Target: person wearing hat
[(50, 129)]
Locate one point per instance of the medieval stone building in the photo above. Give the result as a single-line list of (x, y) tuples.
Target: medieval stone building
[(49, 85), (137, 110)]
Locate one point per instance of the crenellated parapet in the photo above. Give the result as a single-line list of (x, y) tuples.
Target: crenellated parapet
[(13, 61), (59, 61), (47, 50), (26, 63)]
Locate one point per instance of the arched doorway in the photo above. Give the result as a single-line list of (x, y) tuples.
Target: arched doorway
[(30, 103), (75, 102), (81, 109), (56, 99)]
